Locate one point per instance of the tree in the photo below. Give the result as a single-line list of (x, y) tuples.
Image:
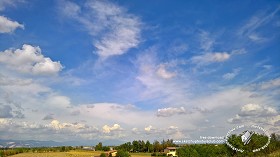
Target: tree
[(149, 146), (98, 146), (157, 146), (135, 146), (122, 153)]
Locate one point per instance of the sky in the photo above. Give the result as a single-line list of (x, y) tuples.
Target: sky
[(125, 70)]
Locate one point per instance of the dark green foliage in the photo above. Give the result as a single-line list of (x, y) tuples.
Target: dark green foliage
[(102, 155), (142, 146), (122, 153), (105, 148), (158, 154), (98, 146), (209, 150)]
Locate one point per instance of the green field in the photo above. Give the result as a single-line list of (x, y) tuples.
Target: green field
[(93, 153), (60, 154), (73, 154)]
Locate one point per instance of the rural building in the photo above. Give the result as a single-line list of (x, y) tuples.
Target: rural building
[(112, 152), (170, 151), (88, 148)]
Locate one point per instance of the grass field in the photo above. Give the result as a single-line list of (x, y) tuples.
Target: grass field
[(93, 153), (140, 154), (61, 154), (73, 154)]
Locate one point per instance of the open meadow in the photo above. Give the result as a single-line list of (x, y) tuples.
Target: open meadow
[(93, 153), (73, 154), (60, 154)]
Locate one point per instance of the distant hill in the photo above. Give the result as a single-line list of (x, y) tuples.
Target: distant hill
[(34, 143)]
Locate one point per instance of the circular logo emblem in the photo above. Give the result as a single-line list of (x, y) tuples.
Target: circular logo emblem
[(248, 138)]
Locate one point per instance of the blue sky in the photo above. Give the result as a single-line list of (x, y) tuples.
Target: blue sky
[(125, 70)]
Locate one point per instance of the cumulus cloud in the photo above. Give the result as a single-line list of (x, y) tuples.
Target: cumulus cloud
[(148, 128), (7, 111), (29, 60), (115, 30), (257, 110), (108, 129), (170, 111), (7, 81), (255, 113), (71, 127), (8, 26)]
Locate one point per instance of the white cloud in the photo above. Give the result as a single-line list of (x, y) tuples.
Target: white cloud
[(163, 73), (148, 128), (76, 127), (208, 58), (235, 120), (114, 30), (170, 111), (108, 129), (256, 114), (8, 26), (8, 81), (256, 38), (229, 76), (206, 43), (170, 91), (6, 3), (257, 110), (29, 60), (265, 85), (215, 57), (46, 67), (249, 29), (58, 101), (274, 83), (135, 130)]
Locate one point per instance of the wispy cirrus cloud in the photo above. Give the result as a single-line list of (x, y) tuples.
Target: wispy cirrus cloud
[(206, 42), (215, 57), (250, 28), (115, 31), (9, 3), (9, 26), (231, 75)]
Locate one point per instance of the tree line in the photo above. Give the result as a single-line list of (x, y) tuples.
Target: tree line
[(188, 150), (13, 151), (142, 146)]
